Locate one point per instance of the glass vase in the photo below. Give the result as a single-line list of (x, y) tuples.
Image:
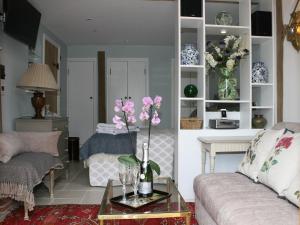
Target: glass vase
[(227, 85)]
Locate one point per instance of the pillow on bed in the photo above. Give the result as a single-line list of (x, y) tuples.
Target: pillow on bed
[(10, 145), (40, 141)]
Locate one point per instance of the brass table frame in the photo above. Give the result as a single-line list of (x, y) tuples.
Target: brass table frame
[(140, 215)]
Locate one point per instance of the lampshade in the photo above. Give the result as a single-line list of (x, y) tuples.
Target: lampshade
[(38, 77)]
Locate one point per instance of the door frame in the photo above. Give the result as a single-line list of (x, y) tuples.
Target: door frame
[(107, 80), (95, 87), (47, 38)]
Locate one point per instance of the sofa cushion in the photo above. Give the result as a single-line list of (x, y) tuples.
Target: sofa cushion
[(233, 199), (295, 127), (10, 145), (258, 151), (40, 141), (14, 143), (282, 164), (293, 192)]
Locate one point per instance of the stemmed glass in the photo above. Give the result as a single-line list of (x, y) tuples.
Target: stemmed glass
[(135, 180), (124, 177)]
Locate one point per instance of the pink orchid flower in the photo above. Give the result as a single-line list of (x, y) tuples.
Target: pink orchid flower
[(157, 101), (155, 120), (147, 101), (144, 116)]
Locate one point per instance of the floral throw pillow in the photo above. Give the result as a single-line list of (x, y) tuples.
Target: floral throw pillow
[(282, 164), (293, 192), (258, 151)]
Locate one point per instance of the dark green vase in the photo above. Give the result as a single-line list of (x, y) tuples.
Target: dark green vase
[(190, 91)]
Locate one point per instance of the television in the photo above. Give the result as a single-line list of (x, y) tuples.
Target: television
[(22, 21)]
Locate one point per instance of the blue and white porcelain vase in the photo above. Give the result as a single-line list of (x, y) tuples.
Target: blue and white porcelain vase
[(190, 55), (260, 73)]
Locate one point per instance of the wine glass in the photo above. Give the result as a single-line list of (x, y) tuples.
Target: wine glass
[(135, 180), (123, 176)]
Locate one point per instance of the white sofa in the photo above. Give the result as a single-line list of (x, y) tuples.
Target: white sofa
[(234, 199)]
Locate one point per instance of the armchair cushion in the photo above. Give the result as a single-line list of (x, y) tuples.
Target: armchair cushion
[(14, 143), (10, 145)]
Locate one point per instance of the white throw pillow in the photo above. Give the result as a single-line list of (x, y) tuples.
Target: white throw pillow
[(282, 164), (258, 151), (10, 145), (293, 192)]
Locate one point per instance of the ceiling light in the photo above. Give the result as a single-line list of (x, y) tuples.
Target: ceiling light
[(223, 31)]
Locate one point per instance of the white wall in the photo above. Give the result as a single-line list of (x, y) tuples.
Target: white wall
[(14, 56), (159, 68), (291, 72)]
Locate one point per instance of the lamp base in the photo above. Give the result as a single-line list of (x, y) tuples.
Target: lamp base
[(38, 102)]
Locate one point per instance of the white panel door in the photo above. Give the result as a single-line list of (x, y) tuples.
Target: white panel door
[(81, 99), (117, 85), (126, 78), (137, 85)]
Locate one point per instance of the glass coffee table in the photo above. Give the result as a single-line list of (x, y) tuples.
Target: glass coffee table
[(174, 206)]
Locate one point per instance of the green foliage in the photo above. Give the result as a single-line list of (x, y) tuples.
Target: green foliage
[(131, 160), (154, 166)]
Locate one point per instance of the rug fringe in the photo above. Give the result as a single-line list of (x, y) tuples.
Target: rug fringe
[(17, 192)]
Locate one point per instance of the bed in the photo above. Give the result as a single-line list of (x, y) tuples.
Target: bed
[(104, 166)]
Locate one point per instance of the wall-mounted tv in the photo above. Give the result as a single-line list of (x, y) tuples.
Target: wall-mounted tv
[(22, 21)]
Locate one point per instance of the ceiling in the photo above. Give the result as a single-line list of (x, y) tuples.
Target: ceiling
[(110, 22)]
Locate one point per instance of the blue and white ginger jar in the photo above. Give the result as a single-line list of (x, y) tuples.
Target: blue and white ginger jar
[(260, 73), (190, 55)]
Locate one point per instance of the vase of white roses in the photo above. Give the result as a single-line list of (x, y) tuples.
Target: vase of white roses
[(224, 59), (125, 111)]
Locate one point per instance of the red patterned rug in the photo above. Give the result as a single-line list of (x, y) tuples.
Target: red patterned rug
[(78, 215)]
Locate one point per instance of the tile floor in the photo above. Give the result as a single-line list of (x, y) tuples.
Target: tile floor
[(75, 190)]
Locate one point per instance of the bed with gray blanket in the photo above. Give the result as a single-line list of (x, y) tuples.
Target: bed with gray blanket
[(102, 155), (22, 173), (109, 144)]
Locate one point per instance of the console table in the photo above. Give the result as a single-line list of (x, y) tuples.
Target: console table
[(222, 144)]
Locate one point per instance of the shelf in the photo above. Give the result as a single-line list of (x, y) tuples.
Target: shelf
[(212, 29), (191, 68), (191, 22), (227, 101), (262, 107), (261, 84), (260, 39), (191, 99)]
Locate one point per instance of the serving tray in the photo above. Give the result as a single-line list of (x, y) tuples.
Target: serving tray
[(142, 201)]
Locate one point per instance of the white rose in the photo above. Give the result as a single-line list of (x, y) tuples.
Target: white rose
[(230, 64)]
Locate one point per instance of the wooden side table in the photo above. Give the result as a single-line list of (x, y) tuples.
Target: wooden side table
[(221, 144)]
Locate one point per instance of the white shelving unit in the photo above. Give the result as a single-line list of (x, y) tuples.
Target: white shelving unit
[(255, 98)]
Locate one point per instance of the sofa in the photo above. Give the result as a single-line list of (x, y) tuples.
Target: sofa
[(26, 158), (237, 199)]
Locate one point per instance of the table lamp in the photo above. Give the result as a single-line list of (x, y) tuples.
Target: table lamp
[(38, 78)]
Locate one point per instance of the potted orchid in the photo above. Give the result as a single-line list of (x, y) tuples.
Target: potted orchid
[(126, 111)]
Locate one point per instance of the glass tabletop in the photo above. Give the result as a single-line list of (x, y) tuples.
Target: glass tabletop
[(171, 207)]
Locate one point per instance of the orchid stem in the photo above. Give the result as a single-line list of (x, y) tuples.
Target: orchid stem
[(149, 130), (127, 127)]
